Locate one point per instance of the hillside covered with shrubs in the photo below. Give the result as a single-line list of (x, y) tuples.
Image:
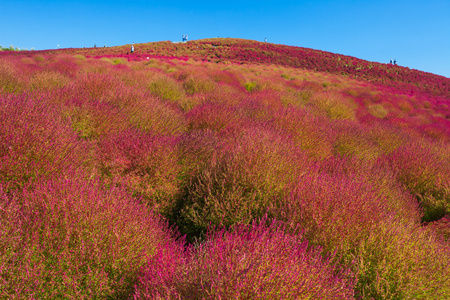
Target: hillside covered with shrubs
[(221, 169)]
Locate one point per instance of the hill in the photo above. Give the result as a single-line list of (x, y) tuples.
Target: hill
[(245, 51), (221, 169)]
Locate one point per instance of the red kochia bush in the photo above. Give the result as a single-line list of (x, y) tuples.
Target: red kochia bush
[(247, 262), (74, 239), (34, 141), (425, 172)]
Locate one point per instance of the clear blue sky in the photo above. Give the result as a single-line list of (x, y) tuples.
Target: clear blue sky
[(416, 33)]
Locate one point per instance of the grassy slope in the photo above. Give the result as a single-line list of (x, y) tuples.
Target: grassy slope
[(241, 51), (345, 170)]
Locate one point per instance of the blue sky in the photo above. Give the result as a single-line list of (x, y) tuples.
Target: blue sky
[(415, 33)]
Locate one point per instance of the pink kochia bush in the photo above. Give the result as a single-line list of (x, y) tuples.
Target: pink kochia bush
[(425, 172), (74, 239), (34, 141), (246, 262)]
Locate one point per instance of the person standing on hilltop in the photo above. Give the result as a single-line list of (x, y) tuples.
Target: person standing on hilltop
[(132, 48)]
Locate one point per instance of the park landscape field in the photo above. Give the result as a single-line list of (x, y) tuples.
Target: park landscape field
[(221, 169)]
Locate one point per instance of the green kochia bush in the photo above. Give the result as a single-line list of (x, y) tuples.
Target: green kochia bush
[(399, 261), (154, 115), (167, 89), (198, 84), (148, 163), (250, 86), (239, 181)]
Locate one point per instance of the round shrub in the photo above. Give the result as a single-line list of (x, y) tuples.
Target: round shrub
[(247, 262), (74, 239)]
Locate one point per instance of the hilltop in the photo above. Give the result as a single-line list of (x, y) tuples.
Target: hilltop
[(221, 169), (247, 51)]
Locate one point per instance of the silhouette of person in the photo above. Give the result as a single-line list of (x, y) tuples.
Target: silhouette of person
[(395, 61), (265, 40), (132, 48)]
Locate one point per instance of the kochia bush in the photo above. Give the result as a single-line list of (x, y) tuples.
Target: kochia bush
[(246, 262), (74, 239), (34, 141)]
